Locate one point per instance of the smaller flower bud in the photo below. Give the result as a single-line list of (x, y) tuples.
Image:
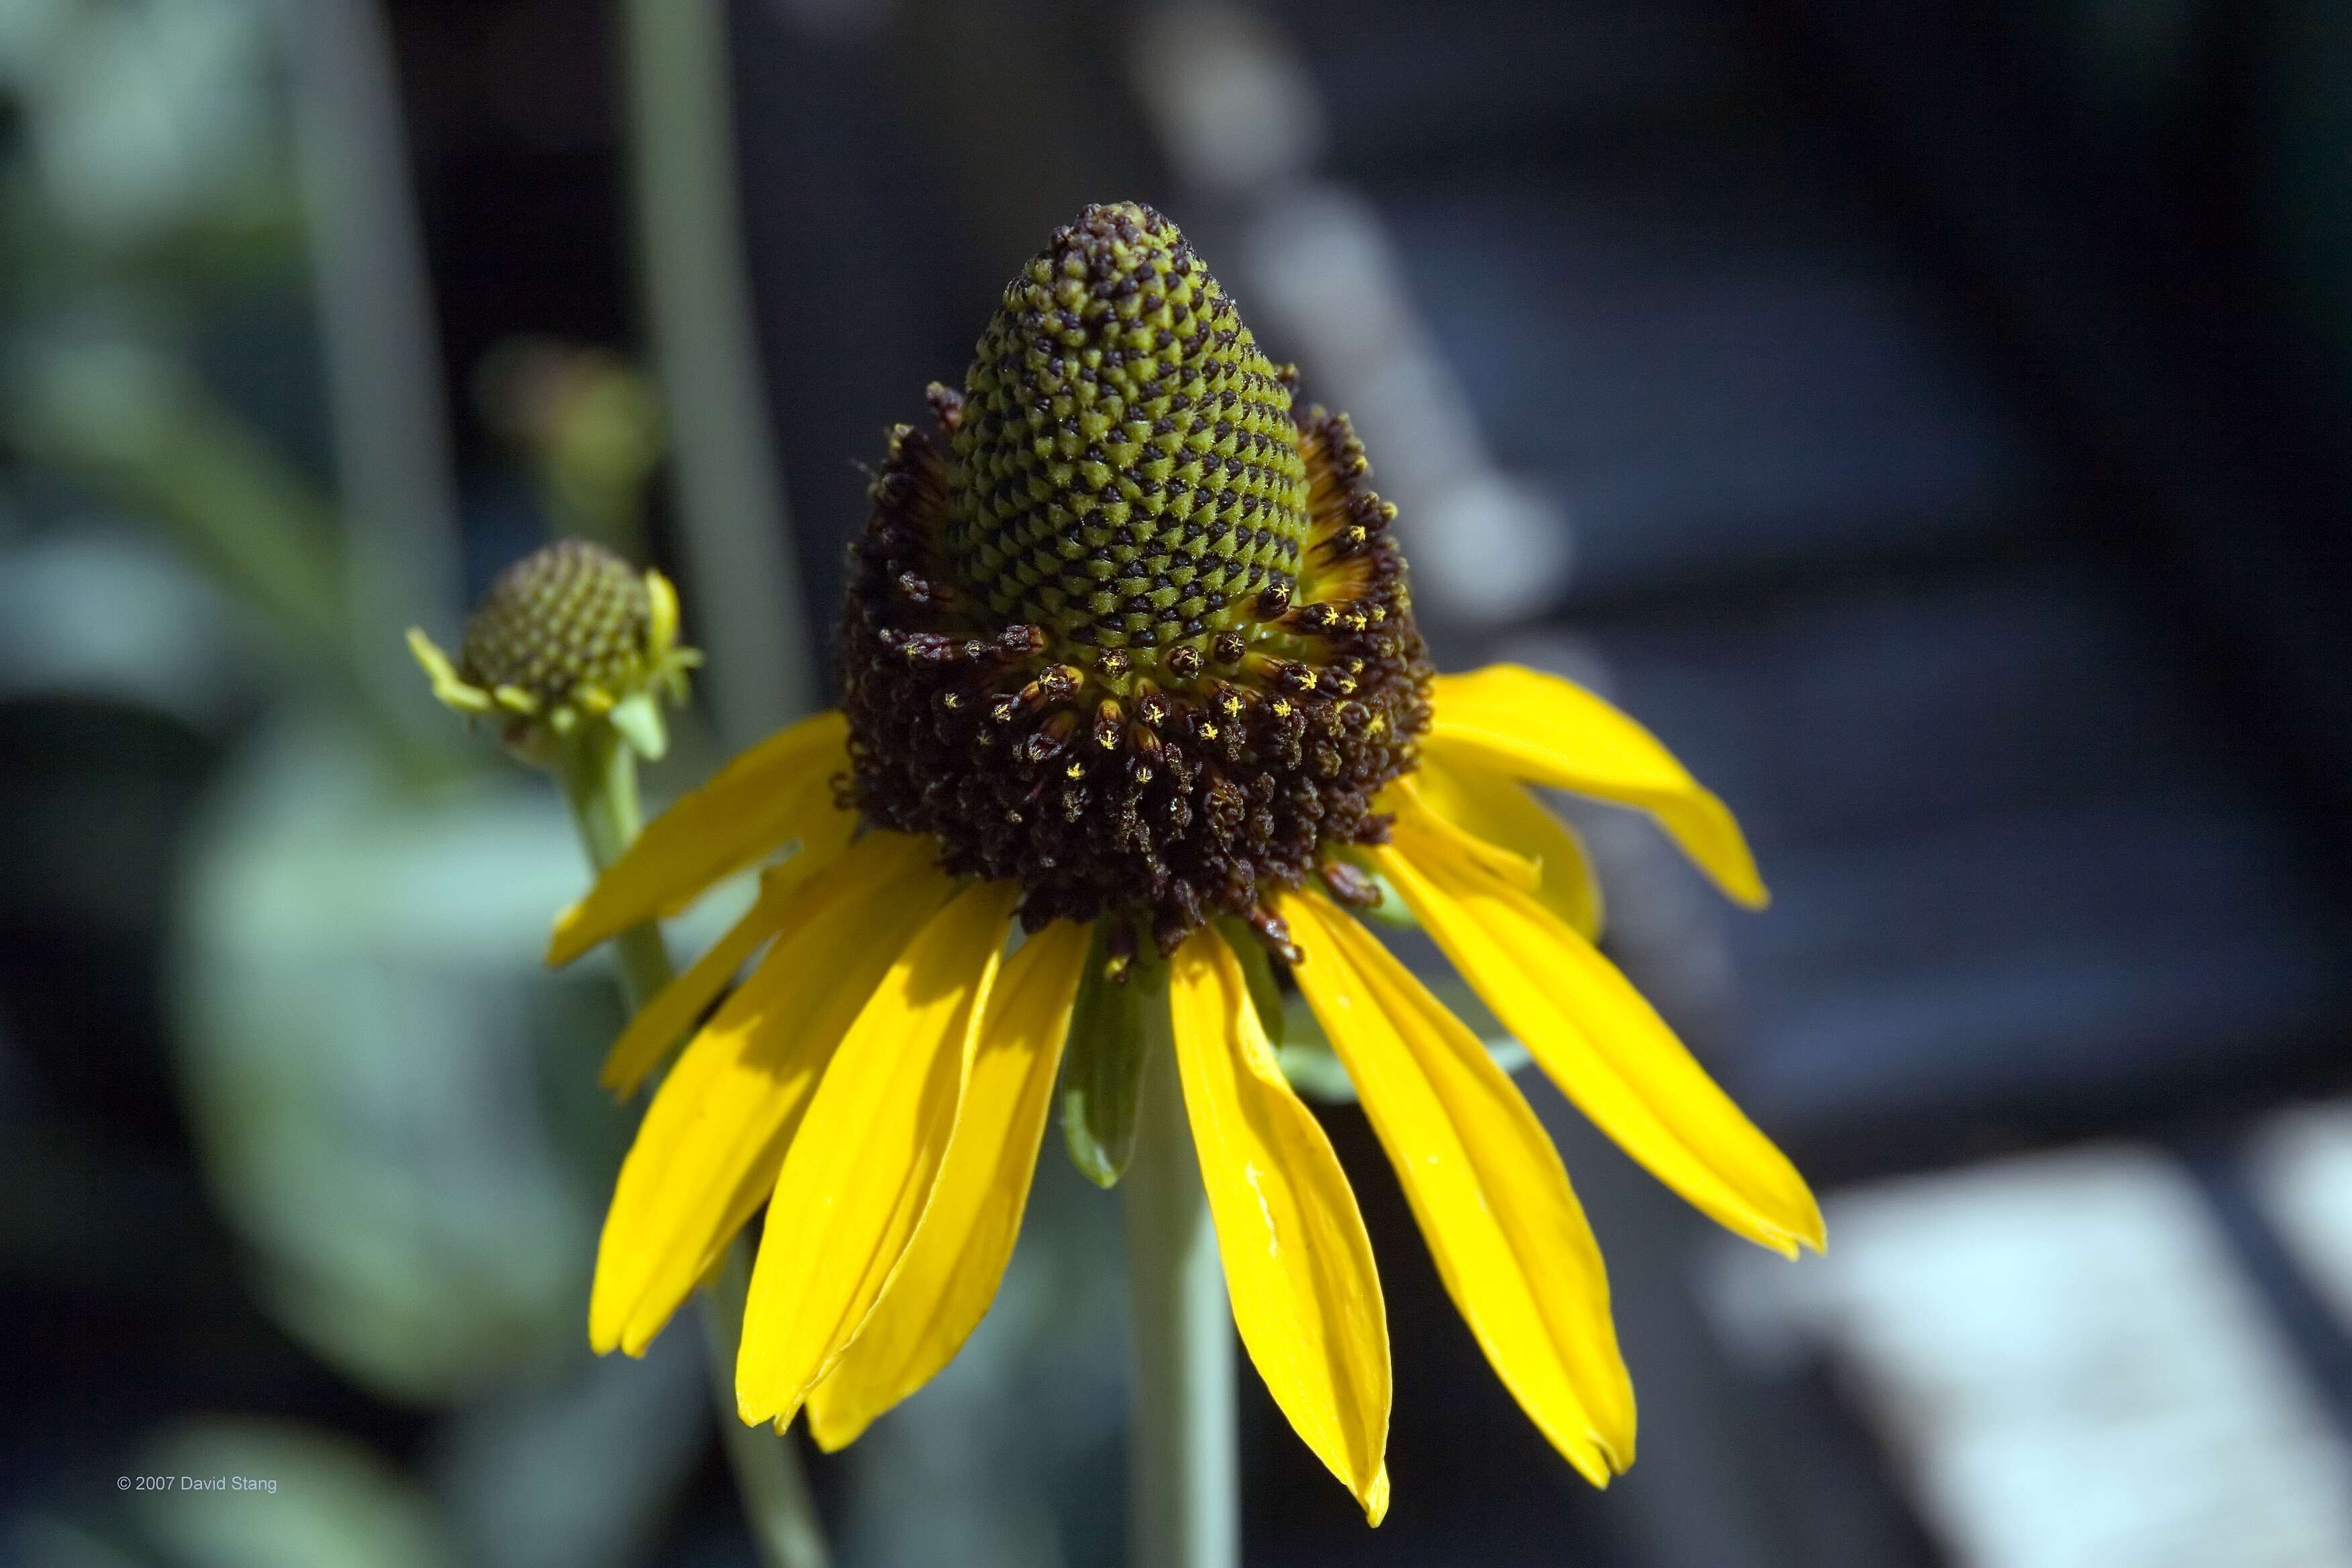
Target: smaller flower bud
[(570, 634)]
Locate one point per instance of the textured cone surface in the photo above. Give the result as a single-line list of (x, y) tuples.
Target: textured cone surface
[(1123, 626), (571, 615), (1128, 469)]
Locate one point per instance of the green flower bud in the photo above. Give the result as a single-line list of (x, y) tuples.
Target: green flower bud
[(570, 634)]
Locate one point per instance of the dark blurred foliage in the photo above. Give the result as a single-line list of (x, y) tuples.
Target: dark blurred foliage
[(1926, 419)]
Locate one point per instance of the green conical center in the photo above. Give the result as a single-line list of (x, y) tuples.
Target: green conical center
[(572, 613), (1126, 472)]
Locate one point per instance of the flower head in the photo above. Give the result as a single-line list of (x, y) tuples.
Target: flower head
[(569, 633), (1129, 647), (1126, 628)]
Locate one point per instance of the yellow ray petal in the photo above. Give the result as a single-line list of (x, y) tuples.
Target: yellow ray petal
[(712, 1139), (949, 1276), (779, 791), (1298, 1267), (859, 1174), (677, 1005), (1485, 1185), (1499, 810), (1521, 871), (1514, 721), (1605, 1047)]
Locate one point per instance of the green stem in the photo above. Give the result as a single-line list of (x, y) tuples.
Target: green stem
[(685, 203), (775, 1492), (1184, 1479), (599, 775), (377, 337)]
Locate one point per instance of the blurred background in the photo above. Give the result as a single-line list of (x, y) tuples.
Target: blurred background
[(1930, 420)]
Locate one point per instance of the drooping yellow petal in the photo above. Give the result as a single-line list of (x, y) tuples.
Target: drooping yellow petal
[(1485, 1185), (951, 1269), (714, 1137), (1602, 1044), (1522, 873), (860, 1170), (779, 791), (1514, 721), (1298, 1267), (1500, 811), (676, 1006)]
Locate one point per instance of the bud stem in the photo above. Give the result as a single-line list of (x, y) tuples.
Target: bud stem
[(1184, 1502), (598, 773)]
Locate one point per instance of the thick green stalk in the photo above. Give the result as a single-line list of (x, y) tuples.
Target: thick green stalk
[(599, 775), (1184, 1479)]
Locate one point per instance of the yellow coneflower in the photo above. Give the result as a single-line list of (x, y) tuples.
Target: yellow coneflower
[(1129, 658)]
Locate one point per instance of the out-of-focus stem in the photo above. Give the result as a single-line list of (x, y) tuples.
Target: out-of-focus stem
[(376, 328), (730, 498), (599, 775), (152, 434), (1184, 1479), (159, 438), (775, 1492)]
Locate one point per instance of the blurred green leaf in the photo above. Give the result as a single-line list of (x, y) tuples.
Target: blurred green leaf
[(143, 117), (332, 1502), (170, 639), (113, 408), (353, 992), (358, 986)]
